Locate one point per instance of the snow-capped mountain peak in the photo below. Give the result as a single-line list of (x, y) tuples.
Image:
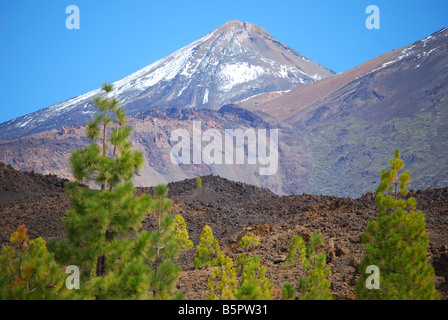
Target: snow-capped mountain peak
[(233, 62)]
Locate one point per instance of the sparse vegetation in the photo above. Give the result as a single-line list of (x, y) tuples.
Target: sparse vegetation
[(198, 183), (316, 284), (358, 147), (222, 282), (208, 250), (28, 271), (397, 243), (103, 237), (122, 258)]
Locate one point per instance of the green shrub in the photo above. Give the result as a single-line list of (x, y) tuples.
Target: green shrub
[(397, 243)]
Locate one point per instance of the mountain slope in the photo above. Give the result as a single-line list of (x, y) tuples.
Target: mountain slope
[(233, 62), (335, 135), (288, 106), (402, 104), (49, 151), (393, 84), (352, 120), (413, 79)]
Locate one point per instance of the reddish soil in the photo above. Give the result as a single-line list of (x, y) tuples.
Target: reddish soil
[(40, 203)]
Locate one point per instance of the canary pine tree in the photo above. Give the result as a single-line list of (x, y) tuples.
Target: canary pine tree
[(222, 283), (164, 248), (246, 243), (181, 233), (207, 250), (316, 284), (253, 284), (103, 222), (397, 243), (128, 272), (28, 271), (198, 183), (288, 291), (145, 266)]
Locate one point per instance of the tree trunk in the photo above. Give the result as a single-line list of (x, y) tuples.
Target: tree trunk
[(101, 261), (100, 266)]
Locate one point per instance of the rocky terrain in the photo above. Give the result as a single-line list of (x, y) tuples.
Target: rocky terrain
[(48, 152), (330, 126), (350, 120), (39, 202)]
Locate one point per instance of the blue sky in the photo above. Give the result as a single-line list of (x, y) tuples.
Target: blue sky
[(42, 62)]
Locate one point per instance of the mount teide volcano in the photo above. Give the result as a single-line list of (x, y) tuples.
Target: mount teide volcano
[(236, 61), (344, 125)]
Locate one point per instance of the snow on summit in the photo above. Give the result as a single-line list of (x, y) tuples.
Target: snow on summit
[(233, 62)]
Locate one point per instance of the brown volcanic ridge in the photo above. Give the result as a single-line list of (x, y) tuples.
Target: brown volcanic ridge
[(289, 106), (39, 202), (389, 85)]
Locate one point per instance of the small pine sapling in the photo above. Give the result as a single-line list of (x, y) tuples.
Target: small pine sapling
[(397, 243), (181, 233), (198, 183), (288, 292), (28, 271), (207, 250), (316, 284), (253, 285), (222, 282)]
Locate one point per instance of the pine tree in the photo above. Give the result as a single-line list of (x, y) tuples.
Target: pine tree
[(246, 243), (28, 271), (147, 263), (397, 243), (253, 285), (315, 285), (128, 272), (288, 291), (207, 250), (102, 224), (181, 233), (164, 249), (198, 183), (222, 283)]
